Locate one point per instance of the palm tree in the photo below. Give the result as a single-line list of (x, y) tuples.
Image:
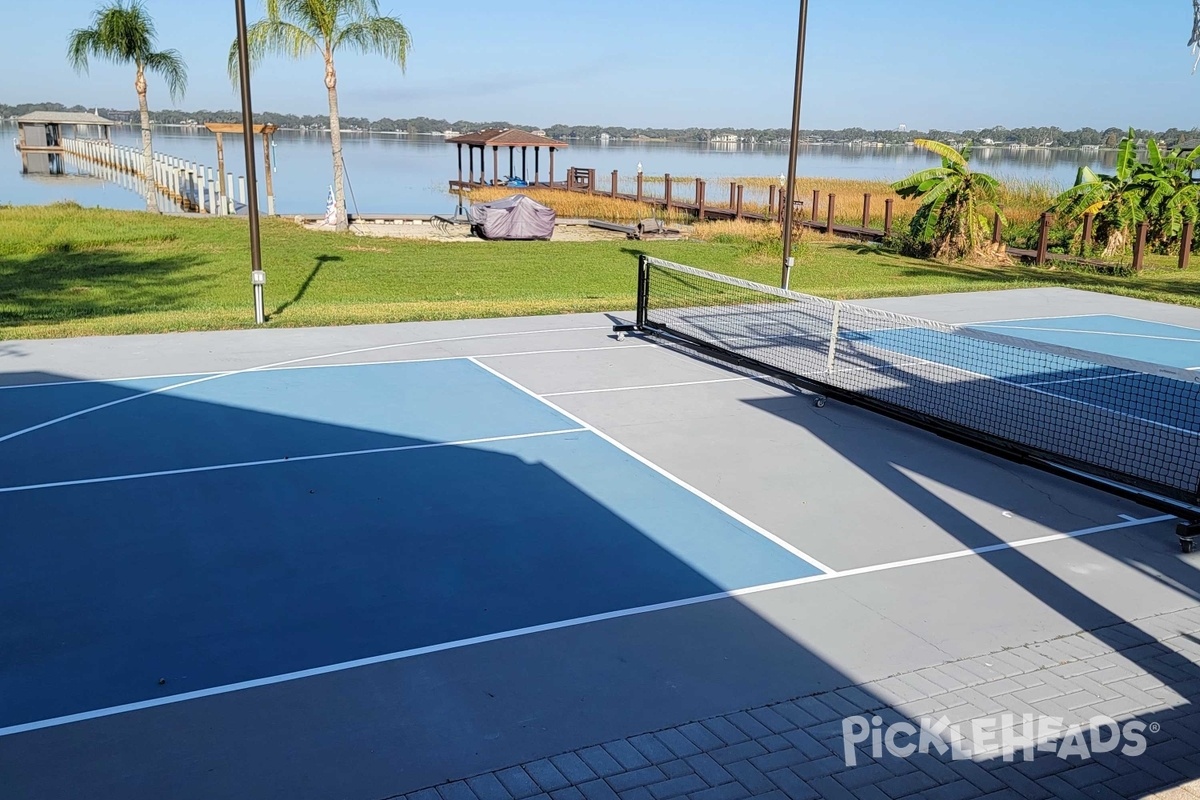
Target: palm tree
[(122, 32), (949, 222), (299, 28)]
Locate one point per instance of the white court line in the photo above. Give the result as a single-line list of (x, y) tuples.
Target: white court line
[(287, 460), (1036, 319), (264, 367), (677, 481), (1195, 340), (1082, 380), (1034, 388), (552, 626), (651, 386), (202, 373)]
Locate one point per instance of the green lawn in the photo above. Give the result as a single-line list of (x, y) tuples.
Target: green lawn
[(66, 271)]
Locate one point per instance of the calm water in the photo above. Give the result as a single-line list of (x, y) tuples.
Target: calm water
[(408, 175)]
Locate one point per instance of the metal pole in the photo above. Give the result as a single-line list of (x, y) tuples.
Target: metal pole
[(793, 149), (258, 278)]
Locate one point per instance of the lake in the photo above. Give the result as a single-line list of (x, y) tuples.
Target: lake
[(408, 175)]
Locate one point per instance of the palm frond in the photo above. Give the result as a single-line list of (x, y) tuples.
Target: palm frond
[(81, 44), (171, 66), (272, 37), (384, 36)]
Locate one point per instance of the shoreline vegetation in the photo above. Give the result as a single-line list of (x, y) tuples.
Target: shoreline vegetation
[(70, 271), (1033, 137)]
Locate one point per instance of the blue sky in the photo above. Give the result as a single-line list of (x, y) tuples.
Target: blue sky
[(676, 63)]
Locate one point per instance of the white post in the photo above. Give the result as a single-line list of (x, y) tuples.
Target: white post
[(833, 337), (229, 207), (242, 189)]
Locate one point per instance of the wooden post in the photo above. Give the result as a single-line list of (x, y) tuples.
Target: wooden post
[(1185, 247), (640, 180), (771, 201), (997, 229), (1043, 238), (591, 180), (460, 172), (1088, 220), (700, 199), (866, 210), (495, 165), (816, 203), (537, 166), (738, 210), (829, 221), (1139, 246), (512, 160), (271, 179), (525, 163), (614, 185), (887, 216), (221, 204), (667, 192), (551, 167)]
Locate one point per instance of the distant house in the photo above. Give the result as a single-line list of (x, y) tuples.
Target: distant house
[(725, 138), (604, 137), (450, 134), (539, 133)]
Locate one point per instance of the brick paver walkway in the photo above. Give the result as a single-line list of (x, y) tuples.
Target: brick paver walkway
[(1148, 670)]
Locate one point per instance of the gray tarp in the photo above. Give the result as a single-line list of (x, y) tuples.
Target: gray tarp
[(515, 217)]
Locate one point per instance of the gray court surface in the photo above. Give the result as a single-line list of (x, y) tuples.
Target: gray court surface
[(955, 582)]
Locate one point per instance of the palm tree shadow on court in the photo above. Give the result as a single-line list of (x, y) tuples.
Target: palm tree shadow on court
[(312, 275)]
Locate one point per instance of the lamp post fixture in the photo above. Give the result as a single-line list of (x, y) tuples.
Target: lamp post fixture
[(258, 278), (793, 148)]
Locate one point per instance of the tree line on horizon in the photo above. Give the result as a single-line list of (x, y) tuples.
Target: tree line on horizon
[(1000, 135)]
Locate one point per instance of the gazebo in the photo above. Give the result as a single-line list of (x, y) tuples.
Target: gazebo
[(496, 138), (238, 129), (40, 137)]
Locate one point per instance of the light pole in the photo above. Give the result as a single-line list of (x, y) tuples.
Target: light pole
[(793, 149), (258, 278)]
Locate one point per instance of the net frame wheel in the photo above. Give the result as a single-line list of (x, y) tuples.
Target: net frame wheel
[(1187, 533), (819, 401), (620, 336)]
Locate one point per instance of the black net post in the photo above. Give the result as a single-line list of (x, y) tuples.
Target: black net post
[(643, 291)]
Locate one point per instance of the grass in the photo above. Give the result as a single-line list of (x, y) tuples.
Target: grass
[(66, 271)]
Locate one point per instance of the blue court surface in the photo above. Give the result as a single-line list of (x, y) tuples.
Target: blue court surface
[(246, 526), (1166, 399)]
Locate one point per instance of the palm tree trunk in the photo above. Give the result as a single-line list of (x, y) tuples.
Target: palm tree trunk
[(147, 145), (335, 135)]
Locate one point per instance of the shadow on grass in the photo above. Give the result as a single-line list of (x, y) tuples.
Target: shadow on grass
[(54, 287), (321, 261)]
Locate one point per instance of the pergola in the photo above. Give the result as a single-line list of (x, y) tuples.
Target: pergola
[(511, 138), (221, 128)]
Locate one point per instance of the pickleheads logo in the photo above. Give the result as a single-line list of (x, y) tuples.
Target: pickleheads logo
[(1006, 735)]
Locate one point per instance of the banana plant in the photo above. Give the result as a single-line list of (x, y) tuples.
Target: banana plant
[(950, 220), (1158, 191)]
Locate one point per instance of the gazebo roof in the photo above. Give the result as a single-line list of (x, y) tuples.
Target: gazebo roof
[(63, 118), (505, 137)]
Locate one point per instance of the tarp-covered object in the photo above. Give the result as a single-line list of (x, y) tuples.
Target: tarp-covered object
[(515, 217)]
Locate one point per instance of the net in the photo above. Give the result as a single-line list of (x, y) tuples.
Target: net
[(1131, 422)]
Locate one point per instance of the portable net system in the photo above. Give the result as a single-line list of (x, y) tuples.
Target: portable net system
[(1129, 426)]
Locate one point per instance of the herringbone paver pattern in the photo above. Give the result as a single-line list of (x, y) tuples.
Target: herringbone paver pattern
[(1148, 671)]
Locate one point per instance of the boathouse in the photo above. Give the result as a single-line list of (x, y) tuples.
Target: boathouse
[(40, 137), (496, 138)]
